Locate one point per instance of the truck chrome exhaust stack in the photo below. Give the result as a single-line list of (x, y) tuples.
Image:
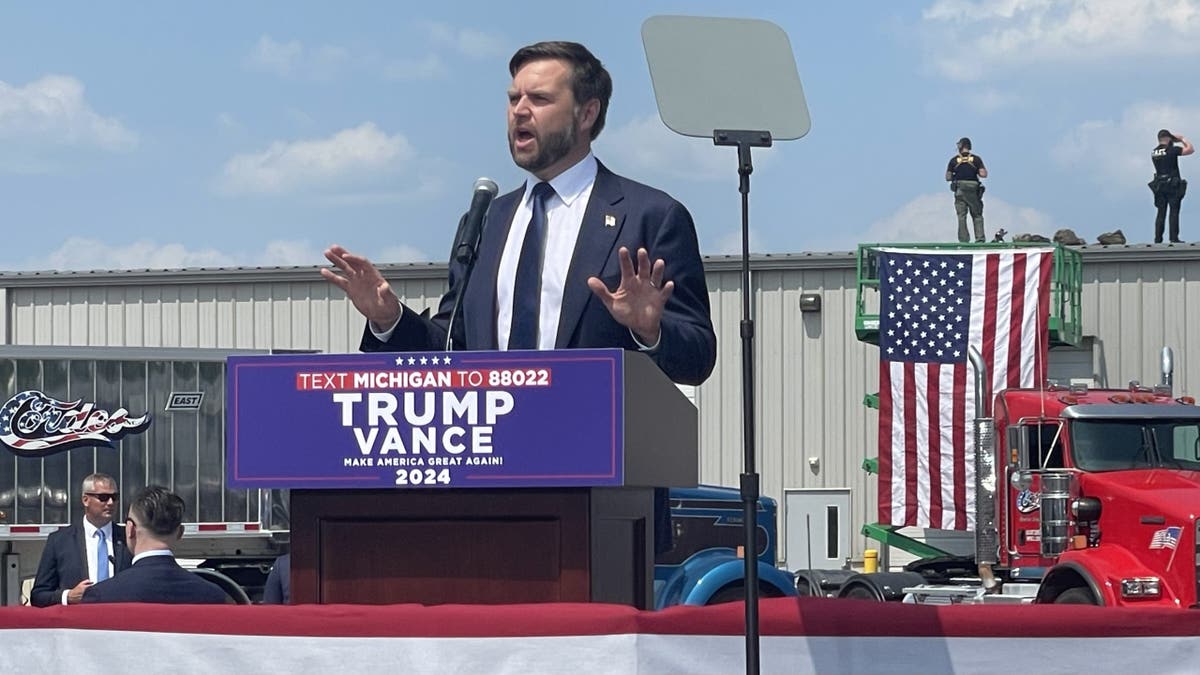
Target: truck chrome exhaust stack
[(1168, 368), (1056, 498), (987, 536)]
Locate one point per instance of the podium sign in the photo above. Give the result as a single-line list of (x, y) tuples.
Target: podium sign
[(427, 420)]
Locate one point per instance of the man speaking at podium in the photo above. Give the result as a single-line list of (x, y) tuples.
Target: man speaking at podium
[(565, 260)]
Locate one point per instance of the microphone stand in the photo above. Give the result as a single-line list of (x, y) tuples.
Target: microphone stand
[(466, 254), (743, 141)]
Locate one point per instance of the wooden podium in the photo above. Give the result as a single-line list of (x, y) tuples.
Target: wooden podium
[(550, 543)]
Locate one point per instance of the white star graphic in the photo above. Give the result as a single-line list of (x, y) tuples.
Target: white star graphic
[(424, 361), (446, 360), (412, 361), (399, 360)]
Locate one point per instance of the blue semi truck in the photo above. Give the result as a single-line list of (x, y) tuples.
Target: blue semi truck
[(703, 566)]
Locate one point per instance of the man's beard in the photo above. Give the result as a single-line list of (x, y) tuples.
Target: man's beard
[(551, 148)]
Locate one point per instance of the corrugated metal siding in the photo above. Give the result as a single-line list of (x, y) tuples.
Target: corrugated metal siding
[(1134, 309), (259, 315), (811, 376), (812, 373)]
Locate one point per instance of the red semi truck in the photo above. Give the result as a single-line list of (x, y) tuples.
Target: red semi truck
[(1082, 495)]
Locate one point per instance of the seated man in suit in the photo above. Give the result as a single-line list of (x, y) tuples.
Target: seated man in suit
[(278, 589), (155, 523), (552, 250), (85, 552)]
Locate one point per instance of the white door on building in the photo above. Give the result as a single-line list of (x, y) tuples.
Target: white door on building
[(817, 528)]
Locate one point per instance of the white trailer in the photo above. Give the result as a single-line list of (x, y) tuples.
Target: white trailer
[(233, 534)]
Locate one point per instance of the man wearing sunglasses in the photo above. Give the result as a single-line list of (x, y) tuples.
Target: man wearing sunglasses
[(83, 553), (154, 525)]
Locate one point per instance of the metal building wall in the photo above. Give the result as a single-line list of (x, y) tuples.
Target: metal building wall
[(812, 372), (1137, 300), (811, 376)]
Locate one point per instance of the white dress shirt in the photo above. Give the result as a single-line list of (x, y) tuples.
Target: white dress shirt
[(564, 215), (90, 543), (151, 554)]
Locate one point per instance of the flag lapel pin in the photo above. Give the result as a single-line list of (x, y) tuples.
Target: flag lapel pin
[(610, 220)]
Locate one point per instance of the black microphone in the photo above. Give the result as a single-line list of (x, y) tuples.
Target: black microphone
[(468, 239)]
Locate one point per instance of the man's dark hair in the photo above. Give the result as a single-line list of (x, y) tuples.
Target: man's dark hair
[(157, 509), (589, 79), (1163, 133), (964, 143)]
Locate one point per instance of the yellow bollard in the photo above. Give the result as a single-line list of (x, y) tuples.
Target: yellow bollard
[(870, 561)]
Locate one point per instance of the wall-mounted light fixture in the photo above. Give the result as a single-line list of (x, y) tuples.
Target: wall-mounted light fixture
[(810, 302)]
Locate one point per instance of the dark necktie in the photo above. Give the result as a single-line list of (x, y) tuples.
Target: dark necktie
[(527, 286)]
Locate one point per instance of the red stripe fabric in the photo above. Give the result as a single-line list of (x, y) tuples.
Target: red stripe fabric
[(885, 443), (911, 476), (932, 389), (1016, 320), (960, 446), (779, 617)]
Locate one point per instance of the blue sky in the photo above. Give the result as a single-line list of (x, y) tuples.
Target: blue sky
[(155, 135)]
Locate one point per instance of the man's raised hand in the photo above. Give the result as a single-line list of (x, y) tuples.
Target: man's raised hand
[(361, 281), (638, 301)]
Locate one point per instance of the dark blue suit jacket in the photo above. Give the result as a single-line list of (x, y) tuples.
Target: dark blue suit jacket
[(619, 213), (64, 563), (156, 579), (278, 589)]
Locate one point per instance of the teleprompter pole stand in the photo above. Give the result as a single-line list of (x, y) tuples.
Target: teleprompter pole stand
[(744, 140)]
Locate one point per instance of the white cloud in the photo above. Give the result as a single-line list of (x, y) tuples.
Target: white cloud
[(401, 253), (359, 152), (1116, 152), (83, 253), (293, 59), (969, 38), (931, 218), (646, 145), (467, 41), (52, 111), (430, 67)]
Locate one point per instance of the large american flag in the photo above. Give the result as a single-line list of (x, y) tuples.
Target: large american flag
[(933, 306)]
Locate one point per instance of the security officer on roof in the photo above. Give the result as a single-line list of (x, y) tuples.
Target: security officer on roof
[(964, 172), (1167, 186)]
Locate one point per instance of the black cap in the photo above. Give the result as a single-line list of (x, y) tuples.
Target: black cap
[(964, 142), (1163, 133)]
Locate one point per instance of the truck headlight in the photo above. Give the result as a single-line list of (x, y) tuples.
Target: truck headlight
[(1141, 587)]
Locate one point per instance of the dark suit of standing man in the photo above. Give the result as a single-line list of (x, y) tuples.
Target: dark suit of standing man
[(72, 560), (154, 525), (548, 257)]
